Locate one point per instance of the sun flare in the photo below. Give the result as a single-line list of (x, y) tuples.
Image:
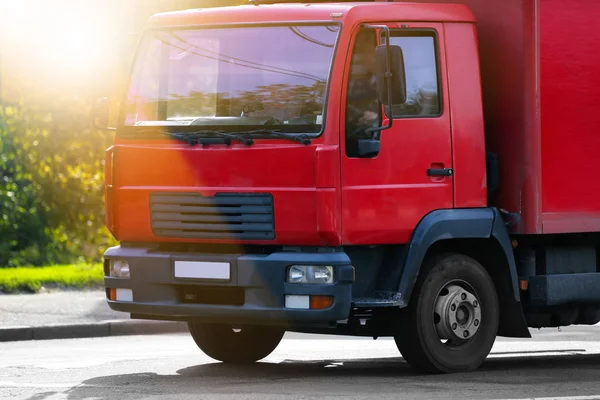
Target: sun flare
[(61, 39)]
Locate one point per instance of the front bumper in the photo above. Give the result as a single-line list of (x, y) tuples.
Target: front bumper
[(257, 281)]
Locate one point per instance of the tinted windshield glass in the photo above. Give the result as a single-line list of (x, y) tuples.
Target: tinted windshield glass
[(233, 77)]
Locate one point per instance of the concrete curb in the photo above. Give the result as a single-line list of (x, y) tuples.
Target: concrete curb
[(95, 329)]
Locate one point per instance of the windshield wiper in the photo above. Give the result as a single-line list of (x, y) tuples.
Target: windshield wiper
[(200, 137), (301, 138)]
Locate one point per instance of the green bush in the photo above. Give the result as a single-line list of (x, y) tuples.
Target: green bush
[(64, 276), (51, 185)]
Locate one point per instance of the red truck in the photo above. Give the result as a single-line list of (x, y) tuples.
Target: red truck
[(422, 171)]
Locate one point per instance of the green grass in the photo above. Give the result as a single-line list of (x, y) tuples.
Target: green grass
[(31, 279)]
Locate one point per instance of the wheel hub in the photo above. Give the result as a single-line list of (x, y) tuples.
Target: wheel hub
[(457, 313)]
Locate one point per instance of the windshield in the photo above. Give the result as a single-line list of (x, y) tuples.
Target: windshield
[(233, 78)]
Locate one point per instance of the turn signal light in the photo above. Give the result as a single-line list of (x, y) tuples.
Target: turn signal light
[(120, 294), (320, 302), (524, 285)]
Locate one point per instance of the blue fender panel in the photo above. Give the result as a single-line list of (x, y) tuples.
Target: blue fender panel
[(480, 223), (500, 233), (477, 223), (441, 225)]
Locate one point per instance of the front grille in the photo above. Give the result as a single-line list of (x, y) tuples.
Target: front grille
[(224, 216)]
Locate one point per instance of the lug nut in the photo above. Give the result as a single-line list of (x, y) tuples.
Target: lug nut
[(466, 334), (454, 326), (463, 296), (475, 303), (453, 307), (476, 322)]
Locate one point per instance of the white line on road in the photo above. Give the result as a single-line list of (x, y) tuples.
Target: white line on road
[(40, 385), (592, 397)]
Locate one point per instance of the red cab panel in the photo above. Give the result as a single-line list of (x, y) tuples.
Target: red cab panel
[(285, 172), (385, 197)]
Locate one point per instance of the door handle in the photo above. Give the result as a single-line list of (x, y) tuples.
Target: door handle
[(440, 172)]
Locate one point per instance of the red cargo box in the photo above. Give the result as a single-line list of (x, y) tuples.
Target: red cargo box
[(540, 66)]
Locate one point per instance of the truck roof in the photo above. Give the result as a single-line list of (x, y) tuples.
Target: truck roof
[(304, 12)]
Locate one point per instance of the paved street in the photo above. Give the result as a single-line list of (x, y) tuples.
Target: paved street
[(554, 364), (58, 307)]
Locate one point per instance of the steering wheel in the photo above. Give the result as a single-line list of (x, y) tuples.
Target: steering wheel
[(273, 121)]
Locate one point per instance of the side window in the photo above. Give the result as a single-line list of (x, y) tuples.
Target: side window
[(422, 78), (363, 110)]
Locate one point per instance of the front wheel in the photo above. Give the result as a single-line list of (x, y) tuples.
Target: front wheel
[(240, 346), (451, 322)]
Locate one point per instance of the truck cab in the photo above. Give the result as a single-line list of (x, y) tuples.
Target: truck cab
[(312, 167)]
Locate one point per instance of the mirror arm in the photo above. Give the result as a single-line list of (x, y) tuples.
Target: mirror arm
[(105, 128), (375, 132), (95, 117)]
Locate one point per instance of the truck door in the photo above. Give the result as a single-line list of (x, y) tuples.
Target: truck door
[(384, 197)]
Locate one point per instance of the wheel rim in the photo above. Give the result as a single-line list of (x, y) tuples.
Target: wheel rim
[(457, 314)]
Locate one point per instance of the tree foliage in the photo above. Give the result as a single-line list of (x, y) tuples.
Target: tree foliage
[(51, 192)]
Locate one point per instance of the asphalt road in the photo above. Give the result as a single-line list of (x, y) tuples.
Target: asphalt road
[(558, 365)]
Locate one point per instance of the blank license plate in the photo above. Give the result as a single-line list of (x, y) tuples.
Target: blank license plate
[(203, 270)]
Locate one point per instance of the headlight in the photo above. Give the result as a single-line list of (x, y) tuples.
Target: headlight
[(119, 269), (310, 274)]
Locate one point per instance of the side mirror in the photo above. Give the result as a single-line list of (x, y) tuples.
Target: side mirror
[(398, 78), (125, 49), (127, 43), (101, 113)]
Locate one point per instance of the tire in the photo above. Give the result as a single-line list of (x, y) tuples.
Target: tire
[(438, 332), (223, 343)]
